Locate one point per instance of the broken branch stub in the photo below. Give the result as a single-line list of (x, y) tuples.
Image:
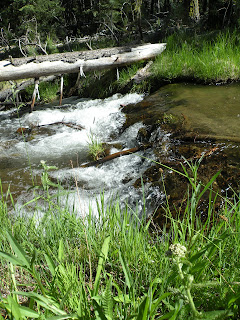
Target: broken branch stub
[(35, 92)]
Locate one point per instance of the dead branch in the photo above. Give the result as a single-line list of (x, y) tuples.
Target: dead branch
[(68, 124), (115, 155), (8, 93)]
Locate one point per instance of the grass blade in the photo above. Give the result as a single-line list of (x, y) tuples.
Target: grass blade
[(102, 258), (126, 271), (22, 256), (45, 302)]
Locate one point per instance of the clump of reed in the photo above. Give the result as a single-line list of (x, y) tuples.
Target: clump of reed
[(95, 147)]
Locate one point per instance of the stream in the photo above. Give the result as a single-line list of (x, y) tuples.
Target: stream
[(179, 120), (67, 148)]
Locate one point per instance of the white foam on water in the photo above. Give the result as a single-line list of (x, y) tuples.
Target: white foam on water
[(100, 118), (115, 179)]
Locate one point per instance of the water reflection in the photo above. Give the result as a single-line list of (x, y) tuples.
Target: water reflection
[(208, 109)]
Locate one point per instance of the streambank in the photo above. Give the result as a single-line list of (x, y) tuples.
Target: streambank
[(189, 125), (170, 121)]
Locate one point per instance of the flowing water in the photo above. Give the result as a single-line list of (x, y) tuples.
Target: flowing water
[(67, 148), (208, 110)]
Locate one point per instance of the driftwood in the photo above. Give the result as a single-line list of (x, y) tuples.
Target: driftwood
[(74, 62), (142, 74), (114, 155), (68, 124)]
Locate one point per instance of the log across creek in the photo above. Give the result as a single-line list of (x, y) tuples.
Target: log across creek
[(75, 62)]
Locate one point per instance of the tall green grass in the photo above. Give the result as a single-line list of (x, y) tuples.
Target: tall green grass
[(72, 264), (200, 57), (48, 91)]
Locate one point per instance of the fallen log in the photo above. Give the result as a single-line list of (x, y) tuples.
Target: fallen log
[(74, 62), (142, 74), (115, 155)]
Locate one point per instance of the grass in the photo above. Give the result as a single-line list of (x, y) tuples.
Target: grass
[(127, 73), (48, 91), (60, 263), (116, 265), (200, 58), (95, 147), (204, 58)]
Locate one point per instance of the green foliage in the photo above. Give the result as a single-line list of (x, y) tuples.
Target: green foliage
[(136, 273), (122, 21), (48, 91), (127, 73), (95, 147), (215, 60), (39, 9)]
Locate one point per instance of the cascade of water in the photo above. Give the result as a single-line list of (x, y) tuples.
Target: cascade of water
[(58, 144)]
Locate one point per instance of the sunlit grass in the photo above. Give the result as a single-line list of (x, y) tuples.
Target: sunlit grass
[(198, 58), (48, 91), (114, 264), (95, 147)]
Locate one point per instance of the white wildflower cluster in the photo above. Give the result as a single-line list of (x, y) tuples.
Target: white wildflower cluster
[(178, 250)]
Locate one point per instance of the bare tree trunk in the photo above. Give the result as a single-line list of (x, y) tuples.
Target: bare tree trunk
[(83, 61), (195, 10)]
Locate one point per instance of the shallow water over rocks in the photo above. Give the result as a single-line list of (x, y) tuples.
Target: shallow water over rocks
[(46, 137), (180, 121), (200, 121)]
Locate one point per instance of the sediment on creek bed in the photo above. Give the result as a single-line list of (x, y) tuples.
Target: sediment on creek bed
[(182, 147)]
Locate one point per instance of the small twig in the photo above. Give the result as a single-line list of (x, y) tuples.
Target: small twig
[(81, 72), (107, 26), (68, 124), (40, 46), (89, 45), (117, 74), (20, 48), (35, 92), (61, 90)]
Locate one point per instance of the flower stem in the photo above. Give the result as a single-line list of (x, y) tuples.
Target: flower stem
[(187, 286)]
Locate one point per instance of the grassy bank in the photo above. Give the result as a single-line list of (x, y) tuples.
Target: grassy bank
[(203, 58), (207, 58), (116, 265)]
